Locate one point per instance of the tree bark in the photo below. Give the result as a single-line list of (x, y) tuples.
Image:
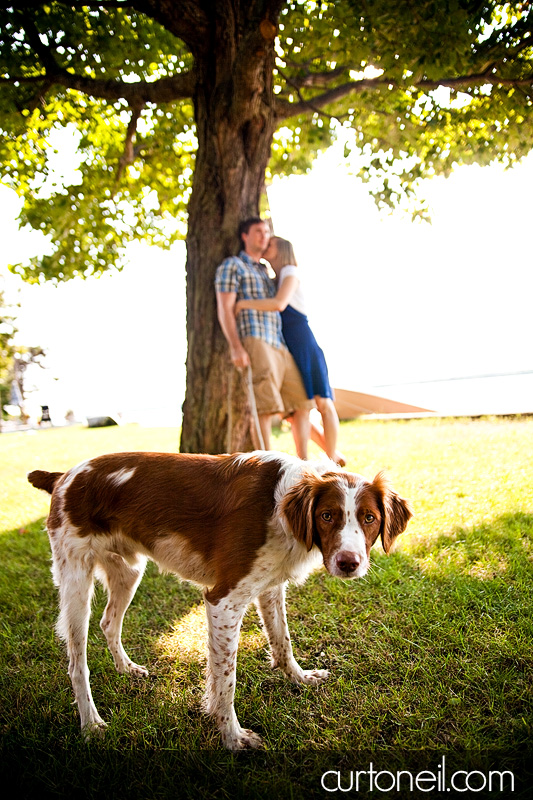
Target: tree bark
[(235, 124)]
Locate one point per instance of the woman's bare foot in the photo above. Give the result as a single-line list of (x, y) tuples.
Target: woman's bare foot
[(339, 459)]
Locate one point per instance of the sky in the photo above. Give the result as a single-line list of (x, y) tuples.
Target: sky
[(399, 308)]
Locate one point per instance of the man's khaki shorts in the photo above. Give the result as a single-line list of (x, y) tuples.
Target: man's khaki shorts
[(278, 385)]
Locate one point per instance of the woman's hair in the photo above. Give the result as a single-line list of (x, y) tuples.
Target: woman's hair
[(285, 252)]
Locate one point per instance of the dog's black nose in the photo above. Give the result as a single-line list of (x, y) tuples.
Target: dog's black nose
[(347, 562)]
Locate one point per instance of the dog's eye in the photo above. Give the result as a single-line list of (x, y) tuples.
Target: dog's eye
[(369, 519), (326, 516)]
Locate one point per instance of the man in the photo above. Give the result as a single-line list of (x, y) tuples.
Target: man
[(255, 337)]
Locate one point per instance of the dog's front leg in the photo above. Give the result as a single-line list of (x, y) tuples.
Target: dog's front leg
[(271, 606), (224, 623)]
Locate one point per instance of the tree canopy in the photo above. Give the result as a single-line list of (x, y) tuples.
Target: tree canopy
[(123, 74), (182, 111)]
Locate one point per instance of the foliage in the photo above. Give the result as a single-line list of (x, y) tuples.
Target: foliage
[(14, 359), (430, 654), (420, 87), (7, 349)]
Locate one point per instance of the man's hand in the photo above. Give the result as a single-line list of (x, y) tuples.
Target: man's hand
[(226, 316), (239, 357)]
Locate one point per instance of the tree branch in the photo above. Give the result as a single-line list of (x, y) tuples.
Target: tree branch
[(315, 79), (190, 24), (128, 155), (285, 109), (487, 77), (164, 90)]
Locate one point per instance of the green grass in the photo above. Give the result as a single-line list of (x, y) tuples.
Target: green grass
[(430, 655)]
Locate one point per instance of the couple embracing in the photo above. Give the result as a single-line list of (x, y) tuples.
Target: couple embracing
[(265, 324)]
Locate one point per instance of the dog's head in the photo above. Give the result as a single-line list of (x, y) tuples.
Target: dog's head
[(343, 515)]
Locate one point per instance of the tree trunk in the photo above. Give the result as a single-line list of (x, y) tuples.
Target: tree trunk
[(235, 124)]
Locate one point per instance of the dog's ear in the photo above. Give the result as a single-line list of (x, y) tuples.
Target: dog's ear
[(298, 508), (396, 512)]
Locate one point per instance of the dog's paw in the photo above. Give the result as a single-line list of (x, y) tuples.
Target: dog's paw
[(242, 740), (94, 730), (312, 677), (136, 669), (130, 668)]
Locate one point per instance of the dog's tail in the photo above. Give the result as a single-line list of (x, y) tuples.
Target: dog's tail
[(44, 480)]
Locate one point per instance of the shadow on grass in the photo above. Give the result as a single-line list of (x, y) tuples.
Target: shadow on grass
[(437, 637)]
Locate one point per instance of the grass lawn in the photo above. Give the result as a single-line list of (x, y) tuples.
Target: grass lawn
[(430, 655)]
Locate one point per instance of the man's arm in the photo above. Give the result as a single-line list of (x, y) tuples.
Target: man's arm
[(226, 317), (277, 303)]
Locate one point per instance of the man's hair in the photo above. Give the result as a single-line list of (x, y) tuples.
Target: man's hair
[(246, 224)]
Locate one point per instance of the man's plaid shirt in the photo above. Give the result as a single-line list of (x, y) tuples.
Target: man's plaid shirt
[(251, 281)]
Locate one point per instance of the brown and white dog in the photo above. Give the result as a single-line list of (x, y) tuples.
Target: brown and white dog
[(240, 526)]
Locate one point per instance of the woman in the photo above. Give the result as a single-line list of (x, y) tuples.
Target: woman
[(289, 300)]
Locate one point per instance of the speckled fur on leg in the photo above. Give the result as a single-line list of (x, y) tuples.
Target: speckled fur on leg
[(224, 623), (271, 607)]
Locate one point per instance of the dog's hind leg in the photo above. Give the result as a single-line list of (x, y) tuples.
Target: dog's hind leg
[(73, 570), (271, 607), (121, 581)]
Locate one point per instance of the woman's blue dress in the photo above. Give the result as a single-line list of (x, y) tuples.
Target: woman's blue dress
[(306, 352)]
